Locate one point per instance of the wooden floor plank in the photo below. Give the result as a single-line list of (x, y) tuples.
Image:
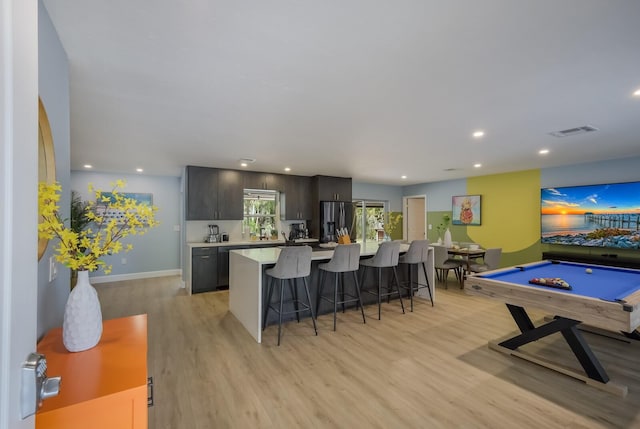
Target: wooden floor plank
[(430, 368)]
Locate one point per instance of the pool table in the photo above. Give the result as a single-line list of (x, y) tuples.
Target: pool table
[(600, 296)]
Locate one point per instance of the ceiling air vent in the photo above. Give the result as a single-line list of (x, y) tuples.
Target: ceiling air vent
[(574, 131)]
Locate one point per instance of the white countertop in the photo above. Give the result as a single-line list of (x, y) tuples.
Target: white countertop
[(269, 255), (248, 243)]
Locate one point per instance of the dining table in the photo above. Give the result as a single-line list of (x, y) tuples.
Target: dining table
[(467, 254)]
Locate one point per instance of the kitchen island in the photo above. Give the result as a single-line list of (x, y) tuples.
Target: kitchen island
[(207, 264), (247, 280)]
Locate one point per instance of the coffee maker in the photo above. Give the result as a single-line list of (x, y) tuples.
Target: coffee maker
[(298, 230), (214, 234)]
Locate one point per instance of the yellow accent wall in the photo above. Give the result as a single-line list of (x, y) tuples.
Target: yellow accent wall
[(510, 210)]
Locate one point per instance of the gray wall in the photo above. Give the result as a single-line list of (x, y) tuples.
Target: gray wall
[(370, 191), (158, 249), (53, 82), (438, 193), (613, 171)]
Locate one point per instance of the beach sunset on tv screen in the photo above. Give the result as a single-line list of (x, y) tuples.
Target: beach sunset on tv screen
[(594, 216)]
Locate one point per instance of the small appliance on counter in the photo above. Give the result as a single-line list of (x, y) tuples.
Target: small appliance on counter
[(225, 236), (298, 230), (214, 234)]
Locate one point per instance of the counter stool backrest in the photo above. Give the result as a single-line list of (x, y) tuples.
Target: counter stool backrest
[(293, 262), (386, 256), (417, 253), (346, 257)]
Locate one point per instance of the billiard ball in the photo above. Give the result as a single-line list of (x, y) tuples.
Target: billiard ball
[(588, 271)]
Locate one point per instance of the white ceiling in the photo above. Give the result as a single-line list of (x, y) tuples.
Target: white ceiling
[(370, 89)]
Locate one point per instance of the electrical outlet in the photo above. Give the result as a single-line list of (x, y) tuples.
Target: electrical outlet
[(430, 226), (124, 261), (176, 228), (53, 269)]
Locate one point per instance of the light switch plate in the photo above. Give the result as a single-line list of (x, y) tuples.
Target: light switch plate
[(53, 269)]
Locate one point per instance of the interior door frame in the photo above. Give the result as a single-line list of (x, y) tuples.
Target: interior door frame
[(405, 225), (18, 201)]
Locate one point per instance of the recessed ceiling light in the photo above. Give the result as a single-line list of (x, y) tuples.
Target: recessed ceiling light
[(287, 169), (478, 134), (637, 93), (543, 151), (139, 170), (88, 166), (403, 177), (477, 165), (243, 164)]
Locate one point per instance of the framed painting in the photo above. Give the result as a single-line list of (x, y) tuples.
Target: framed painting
[(108, 213), (466, 210)]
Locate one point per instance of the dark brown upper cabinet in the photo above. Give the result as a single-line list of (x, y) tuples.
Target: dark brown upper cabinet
[(214, 194)]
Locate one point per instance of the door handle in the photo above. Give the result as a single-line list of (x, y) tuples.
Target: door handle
[(36, 386)]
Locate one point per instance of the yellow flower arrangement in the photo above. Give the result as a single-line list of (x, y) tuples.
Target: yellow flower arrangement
[(83, 250), (393, 224)]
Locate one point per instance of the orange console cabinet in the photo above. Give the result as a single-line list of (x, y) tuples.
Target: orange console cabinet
[(104, 387)]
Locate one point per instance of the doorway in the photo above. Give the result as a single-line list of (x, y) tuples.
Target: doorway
[(415, 217), (368, 220)]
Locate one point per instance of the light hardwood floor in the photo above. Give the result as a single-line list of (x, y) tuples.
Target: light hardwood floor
[(427, 369)]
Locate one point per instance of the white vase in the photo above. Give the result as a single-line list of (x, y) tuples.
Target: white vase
[(447, 238), (82, 326)]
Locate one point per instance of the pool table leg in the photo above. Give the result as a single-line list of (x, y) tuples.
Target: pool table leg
[(635, 335), (568, 329)]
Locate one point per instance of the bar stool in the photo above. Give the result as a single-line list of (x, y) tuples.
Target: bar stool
[(293, 263), (346, 258), (417, 255), (385, 257)]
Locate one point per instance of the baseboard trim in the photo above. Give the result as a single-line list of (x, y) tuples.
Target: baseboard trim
[(135, 276)]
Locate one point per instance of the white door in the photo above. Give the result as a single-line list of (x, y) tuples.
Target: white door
[(18, 200), (416, 218)]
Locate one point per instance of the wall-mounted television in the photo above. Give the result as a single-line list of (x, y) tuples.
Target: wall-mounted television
[(604, 215)]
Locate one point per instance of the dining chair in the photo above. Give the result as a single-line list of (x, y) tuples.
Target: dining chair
[(491, 261), (443, 264)]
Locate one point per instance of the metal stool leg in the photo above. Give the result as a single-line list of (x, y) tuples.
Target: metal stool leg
[(342, 290), (320, 289), (313, 316), (395, 275), (410, 285), (355, 279), (424, 268), (379, 292), (294, 298), (280, 315), (335, 299), (268, 302)]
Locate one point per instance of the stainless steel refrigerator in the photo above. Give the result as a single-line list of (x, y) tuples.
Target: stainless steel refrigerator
[(334, 216)]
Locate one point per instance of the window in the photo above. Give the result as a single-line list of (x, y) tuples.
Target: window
[(369, 220), (260, 214)]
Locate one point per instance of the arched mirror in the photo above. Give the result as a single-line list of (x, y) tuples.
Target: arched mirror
[(46, 160)]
